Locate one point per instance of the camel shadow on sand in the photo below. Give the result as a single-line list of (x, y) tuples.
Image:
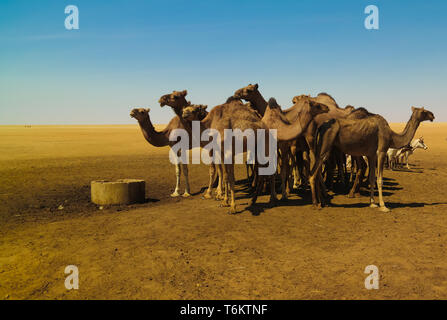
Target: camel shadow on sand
[(391, 205), (389, 186)]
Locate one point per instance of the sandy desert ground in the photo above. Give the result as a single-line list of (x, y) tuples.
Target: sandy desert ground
[(192, 249)]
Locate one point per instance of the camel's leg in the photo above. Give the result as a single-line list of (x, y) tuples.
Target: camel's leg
[(360, 172), (353, 169), (372, 162), (273, 197), (330, 164), (257, 191), (212, 174), (316, 180), (230, 175), (284, 170), (220, 187), (178, 171), (380, 162), (225, 184), (323, 191), (316, 184), (295, 180), (254, 181), (297, 172), (341, 161), (185, 174), (306, 167)]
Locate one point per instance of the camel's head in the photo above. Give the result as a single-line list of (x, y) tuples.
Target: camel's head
[(317, 107), (349, 108), (194, 112), (422, 114), (139, 113), (246, 93), (297, 99), (174, 99)]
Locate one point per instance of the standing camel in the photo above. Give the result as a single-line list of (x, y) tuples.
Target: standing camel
[(177, 101), (370, 137), (308, 147), (161, 139), (287, 149)]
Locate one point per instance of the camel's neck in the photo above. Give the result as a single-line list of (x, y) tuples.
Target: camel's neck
[(404, 138), (179, 106), (292, 113), (155, 138), (285, 131), (259, 103)]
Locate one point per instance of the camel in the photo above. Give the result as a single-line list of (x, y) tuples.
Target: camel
[(288, 149), (161, 139), (358, 163), (251, 94), (309, 155), (177, 101), (235, 115), (370, 137)]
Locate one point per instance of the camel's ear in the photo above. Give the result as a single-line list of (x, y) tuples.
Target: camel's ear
[(294, 100), (413, 109), (148, 110), (204, 107), (256, 86), (184, 93)]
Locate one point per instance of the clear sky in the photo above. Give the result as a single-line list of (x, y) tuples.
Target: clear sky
[(129, 53)]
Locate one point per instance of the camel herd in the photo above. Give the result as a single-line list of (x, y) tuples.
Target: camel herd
[(314, 138)]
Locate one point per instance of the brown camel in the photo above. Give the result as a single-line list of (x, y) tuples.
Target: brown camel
[(161, 138), (235, 115), (177, 101), (307, 145), (358, 162), (370, 137), (251, 94), (287, 149)]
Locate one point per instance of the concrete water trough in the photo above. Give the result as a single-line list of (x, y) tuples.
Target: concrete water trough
[(122, 191)]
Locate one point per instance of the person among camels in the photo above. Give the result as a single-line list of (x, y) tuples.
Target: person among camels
[(235, 115), (370, 137), (161, 139)]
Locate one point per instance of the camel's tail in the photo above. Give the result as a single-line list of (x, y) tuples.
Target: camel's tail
[(318, 142)]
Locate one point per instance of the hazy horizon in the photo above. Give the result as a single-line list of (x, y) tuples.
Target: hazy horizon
[(128, 54)]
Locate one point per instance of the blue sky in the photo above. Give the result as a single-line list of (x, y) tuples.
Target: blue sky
[(129, 53)]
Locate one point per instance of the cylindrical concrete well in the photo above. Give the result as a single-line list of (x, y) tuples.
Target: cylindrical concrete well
[(123, 191)]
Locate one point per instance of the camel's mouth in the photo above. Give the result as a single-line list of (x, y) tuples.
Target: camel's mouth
[(162, 101)]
